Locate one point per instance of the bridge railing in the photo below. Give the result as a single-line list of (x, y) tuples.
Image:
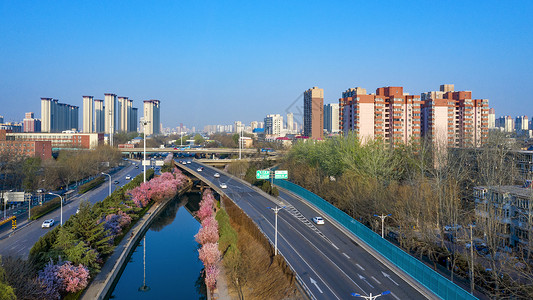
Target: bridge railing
[(432, 280)]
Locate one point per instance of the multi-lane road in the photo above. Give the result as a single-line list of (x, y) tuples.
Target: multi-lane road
[(19, 242), (330, 264)]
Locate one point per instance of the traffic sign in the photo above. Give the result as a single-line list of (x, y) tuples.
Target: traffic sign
[(262, 174), (281, 174)]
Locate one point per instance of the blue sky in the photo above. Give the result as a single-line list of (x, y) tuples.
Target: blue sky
[(214, 62)]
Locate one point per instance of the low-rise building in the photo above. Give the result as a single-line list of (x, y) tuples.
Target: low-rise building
[(64, 140), (10, 146), (509, 209)]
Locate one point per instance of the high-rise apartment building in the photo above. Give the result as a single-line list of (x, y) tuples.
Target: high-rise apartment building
[(331, 117), (314, 113), (30, 123), (389, 115), (88, 114), (238, 126), (152, 116), (492, 118), (274, 124), (110, 113), (347, 98), (521, 123), (125, 114), (453, 119), (99, 115), (57, 117), (134, 119), (290, 123)]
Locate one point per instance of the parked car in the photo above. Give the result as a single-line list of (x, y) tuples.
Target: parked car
[(216, 175), (318, 220), (452, 227), (48, 223), (223, 186)]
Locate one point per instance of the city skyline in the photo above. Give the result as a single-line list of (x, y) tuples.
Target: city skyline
[(212, 60)]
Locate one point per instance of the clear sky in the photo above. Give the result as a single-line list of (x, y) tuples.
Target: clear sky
[(214, 62)]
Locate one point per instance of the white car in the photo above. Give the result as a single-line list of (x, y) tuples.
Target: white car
[(183, 162), (223, 186), (189, 161), (318, 220), (199, 169), (128, 177), (48, 223), (216, 175)]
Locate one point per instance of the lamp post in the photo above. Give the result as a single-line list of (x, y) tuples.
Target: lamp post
[(5, 204), (382, 217), (109, 182), (240, 143), (61, 200), (371, 297), (276, 210), (144, 122)]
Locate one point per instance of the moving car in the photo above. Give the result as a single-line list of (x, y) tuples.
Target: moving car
[(200, 169), (318, 220), (189, 161), (128, 177), (136, 167), (217, 175), (116, 182), (48, 223), (223, 186)]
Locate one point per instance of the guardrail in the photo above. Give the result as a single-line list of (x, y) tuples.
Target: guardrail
[(7, 220), (426, 276)]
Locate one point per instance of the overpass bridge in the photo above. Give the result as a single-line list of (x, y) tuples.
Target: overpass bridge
[(206, 151), (329, 261)]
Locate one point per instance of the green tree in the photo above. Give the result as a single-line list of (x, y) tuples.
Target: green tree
[(86, 228), (6, 291), (198, 139)]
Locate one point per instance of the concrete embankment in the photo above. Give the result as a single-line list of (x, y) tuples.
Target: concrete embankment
[(101, 286)]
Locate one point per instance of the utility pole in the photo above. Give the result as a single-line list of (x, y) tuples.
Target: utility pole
[(382, 217)]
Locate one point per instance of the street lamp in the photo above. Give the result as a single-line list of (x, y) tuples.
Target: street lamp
[(276, 210), (144, 122), (371, 297), (61, 198), (109, 182), (382, 217)]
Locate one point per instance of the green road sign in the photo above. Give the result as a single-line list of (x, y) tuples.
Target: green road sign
[(282, 174), (262, 174)]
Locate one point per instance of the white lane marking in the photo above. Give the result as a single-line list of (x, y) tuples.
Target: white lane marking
[(296, 252), (346, 255), (394, 296), (375, 279), (316, 285), (364, 279), (323, 254), (388, 276), (335, 246), (359, 266)]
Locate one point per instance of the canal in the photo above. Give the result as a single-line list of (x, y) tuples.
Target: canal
[(171, 259)]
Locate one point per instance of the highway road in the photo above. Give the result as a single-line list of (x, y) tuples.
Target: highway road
[(20, 242), (329, 263)]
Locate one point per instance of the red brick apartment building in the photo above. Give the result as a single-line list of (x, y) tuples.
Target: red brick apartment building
[(389, 114), (8, 145)]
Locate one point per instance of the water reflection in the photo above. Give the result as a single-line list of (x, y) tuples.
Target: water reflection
[(169, 264)]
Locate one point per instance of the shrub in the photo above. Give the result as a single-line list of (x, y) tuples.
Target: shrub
[(41, 210), (91, 185)]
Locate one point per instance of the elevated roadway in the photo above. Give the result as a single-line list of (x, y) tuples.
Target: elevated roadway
[(329, 263)]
